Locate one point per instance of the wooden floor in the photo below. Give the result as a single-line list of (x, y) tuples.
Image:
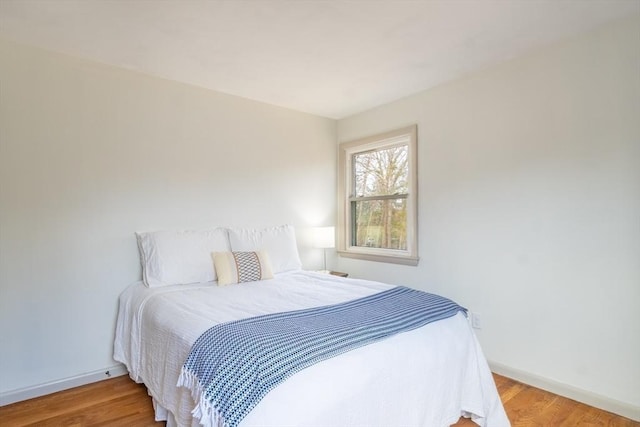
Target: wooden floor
[(121, 402)]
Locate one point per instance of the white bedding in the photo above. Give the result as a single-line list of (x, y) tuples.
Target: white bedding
[(375, 385)]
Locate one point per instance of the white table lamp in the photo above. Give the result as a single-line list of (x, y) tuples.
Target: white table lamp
[(324, 238)]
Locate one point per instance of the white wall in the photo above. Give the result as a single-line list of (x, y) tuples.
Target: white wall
[(529, 208), (88, 155)]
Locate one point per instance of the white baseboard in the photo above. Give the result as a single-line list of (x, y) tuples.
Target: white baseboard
[(21, 394), (565, 390)]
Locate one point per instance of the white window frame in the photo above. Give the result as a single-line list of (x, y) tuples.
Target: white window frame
[(347, 150)]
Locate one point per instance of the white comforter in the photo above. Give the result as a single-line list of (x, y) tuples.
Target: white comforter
[(428, 377)]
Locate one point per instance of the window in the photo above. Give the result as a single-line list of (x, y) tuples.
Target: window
[(378, 204)]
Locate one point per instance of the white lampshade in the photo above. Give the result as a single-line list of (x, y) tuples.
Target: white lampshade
[(324, 237)]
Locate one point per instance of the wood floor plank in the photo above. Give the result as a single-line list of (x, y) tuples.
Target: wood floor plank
[(123, 411), (527, 405), (76, 399), (510, 389), (121, 402), (83, 406)]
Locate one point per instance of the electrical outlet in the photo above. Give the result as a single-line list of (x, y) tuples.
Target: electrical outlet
[(476, 321)]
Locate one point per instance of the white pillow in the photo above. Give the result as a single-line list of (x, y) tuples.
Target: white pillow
[(180, 257), (278, 242)]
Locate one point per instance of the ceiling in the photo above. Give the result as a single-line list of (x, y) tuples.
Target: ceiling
[(332, 58)]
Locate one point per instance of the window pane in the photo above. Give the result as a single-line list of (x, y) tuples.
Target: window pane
[(380, 223), (381, 172)]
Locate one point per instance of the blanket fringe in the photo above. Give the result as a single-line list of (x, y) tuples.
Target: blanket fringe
[(205, 412)]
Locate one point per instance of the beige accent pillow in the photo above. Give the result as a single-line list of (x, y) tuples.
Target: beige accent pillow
[(241, 267)]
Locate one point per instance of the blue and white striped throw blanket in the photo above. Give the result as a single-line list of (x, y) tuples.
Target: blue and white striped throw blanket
[(233, 365)]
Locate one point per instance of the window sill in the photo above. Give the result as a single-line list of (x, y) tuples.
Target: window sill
[(392, 259)]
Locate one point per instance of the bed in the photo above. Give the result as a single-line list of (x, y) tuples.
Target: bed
[(428, 376)]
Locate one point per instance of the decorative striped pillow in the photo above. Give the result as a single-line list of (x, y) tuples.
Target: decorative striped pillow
[(240, 267)]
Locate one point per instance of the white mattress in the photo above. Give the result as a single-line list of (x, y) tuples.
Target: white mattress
[(427, 377)]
